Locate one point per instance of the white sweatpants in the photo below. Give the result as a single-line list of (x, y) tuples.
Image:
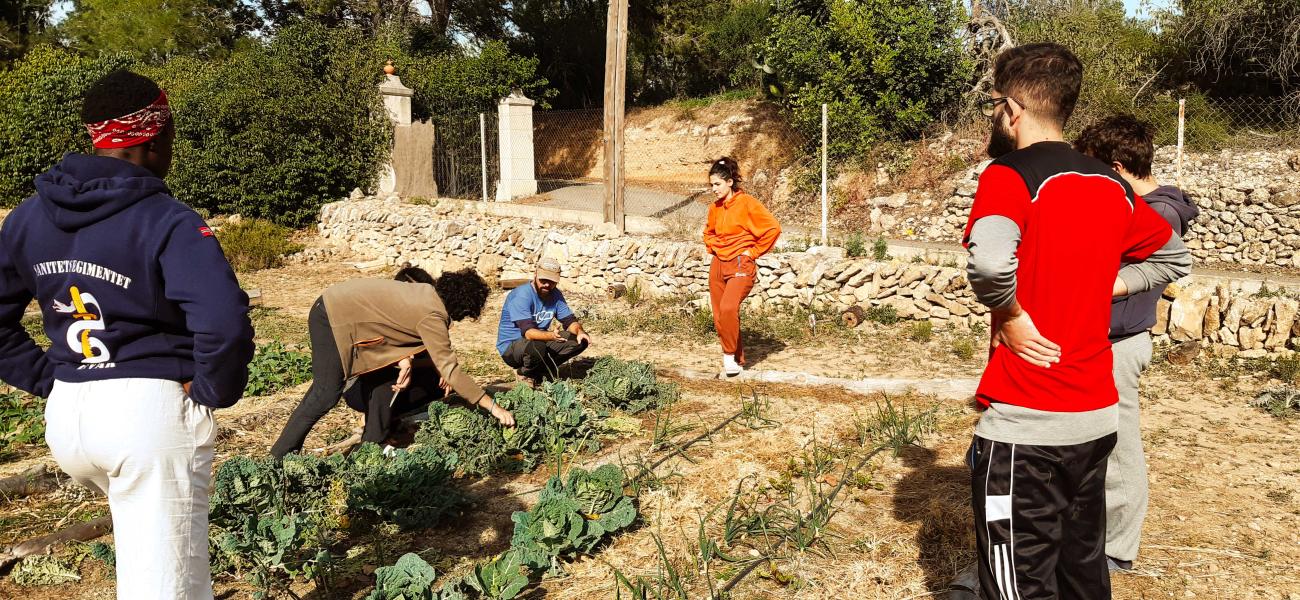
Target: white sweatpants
[(148, 447)]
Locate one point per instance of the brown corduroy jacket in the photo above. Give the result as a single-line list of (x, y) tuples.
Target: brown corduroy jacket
[(378, 322)]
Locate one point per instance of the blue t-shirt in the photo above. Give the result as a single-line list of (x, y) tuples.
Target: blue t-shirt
[(523, 303)]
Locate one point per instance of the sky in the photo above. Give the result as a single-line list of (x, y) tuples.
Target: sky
[(1133, 7)]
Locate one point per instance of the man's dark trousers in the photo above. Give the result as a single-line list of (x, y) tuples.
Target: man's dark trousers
[(1040, 519), (538, 360)]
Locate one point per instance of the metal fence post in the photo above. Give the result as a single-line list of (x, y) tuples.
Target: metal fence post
[(482, 140), (825, 204), (1182, 106)]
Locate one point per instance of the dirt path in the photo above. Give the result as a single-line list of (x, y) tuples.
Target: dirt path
[(1224, 520)]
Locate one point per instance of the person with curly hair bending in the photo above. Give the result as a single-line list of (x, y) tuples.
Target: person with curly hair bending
[(374, 341), (739, 230)]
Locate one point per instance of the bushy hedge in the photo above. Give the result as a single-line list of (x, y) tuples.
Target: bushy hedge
[(40, 106), (281, 127), (887, 68), (272, 131)]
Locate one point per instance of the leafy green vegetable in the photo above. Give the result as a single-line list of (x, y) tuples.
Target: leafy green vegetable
[(410, 579), (469, 437), (501, 578), (44, 570), (547, 421), (275, 368), (22, 419), (103, 553), (411, 488), (572, 517), (628, 385)]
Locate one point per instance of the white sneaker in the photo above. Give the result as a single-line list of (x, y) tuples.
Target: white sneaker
[(730, 367)]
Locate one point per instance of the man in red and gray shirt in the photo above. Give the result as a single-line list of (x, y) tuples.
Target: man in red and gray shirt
[(1048, 234)]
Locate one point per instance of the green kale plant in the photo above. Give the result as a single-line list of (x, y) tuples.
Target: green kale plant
[(628, 385), (572, 516)]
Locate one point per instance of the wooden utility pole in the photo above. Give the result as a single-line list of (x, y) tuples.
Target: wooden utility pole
[(615, 95)]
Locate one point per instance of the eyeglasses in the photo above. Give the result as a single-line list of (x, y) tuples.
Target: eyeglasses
[(988, 106)]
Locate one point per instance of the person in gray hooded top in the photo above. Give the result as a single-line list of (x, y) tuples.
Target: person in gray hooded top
[(1126, 144)]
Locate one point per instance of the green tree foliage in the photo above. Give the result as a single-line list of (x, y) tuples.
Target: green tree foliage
[(1120, 54), (697, 49), (22, 24), (887, 68), (279, 128), (1237, 47), (40, 104), (157, 29)]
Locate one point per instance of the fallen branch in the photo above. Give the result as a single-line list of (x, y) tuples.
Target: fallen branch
[(81, 532), (33, 481), (342, 446)]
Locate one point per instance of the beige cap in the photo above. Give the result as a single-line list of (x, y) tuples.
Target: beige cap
[(548, 269)]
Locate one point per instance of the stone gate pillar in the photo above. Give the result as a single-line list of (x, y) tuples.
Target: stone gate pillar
[(515, 136), (409, 171)]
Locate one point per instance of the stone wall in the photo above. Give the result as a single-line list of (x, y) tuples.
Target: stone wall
[(453, 234), (1249, 201)]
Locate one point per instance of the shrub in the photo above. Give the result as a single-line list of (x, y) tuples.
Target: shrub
[(963, 348), (880, 249), (888, 68), (885, 315), (40, 106), (281, 127), (855, 246), (921, 331), (254, 244), (275, 368)]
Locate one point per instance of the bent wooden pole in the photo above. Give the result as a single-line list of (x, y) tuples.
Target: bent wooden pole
[(34, 480), (81, 532)]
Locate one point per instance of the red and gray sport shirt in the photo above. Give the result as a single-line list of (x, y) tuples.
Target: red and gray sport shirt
[(1051, 228)]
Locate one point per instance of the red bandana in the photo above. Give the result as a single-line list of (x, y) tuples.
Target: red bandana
[(133, 129)]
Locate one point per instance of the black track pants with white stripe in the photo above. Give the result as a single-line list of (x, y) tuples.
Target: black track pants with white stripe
[(1040, 519)]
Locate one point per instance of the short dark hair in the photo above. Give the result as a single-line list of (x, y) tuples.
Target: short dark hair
[(727, 168), (1045, 77), (463, 293), (1123, 139), (117, 94)]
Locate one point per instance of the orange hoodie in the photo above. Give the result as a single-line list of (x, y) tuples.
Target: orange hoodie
[(737, 224)]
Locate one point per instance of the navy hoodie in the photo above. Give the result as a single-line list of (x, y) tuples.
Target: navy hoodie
[(130, 283), (1131, 315)]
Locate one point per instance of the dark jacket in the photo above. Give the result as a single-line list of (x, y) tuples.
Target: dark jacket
[(1131, 315), (130, 283)]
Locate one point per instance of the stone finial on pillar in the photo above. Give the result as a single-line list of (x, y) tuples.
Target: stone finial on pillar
[(397, 97), (515, 138)]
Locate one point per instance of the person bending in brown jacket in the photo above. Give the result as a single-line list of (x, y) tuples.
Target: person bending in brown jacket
[(369, 338)]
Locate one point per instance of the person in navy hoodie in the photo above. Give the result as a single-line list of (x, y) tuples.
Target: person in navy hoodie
[(149, 330)]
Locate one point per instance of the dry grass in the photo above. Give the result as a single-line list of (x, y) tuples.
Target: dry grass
[(1225, 507)]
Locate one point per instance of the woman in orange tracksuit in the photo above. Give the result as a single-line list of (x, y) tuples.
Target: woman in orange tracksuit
[(739, 230)]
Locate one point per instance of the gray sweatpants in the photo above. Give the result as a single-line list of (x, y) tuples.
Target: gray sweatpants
[(1126, 470)]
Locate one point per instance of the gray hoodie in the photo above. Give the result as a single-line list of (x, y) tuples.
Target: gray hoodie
[(1131, 315)]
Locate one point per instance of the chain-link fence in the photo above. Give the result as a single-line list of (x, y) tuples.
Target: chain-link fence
[(1248, 122)]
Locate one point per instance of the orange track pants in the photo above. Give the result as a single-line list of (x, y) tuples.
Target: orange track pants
[(729, 282)]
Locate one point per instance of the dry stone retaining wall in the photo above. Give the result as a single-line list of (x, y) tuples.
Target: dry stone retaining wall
[(1249, 201), (450, 236)]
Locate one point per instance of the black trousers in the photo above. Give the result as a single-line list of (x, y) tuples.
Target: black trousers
[(538, 360), (371, 393), (1040, 519)]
